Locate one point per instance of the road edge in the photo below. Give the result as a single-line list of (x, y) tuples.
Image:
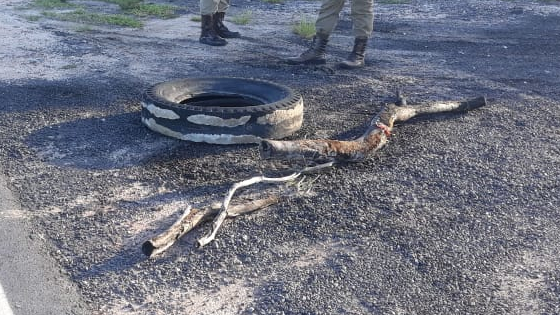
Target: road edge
[(31, 280)]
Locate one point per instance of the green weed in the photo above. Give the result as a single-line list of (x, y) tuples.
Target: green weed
[(139, 8), (304, 28), (196, 18), (52, 4), (163, 11), (82, 16), (243, 18), (126, 5)]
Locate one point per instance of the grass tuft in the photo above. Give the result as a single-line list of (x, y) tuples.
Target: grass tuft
[(82, 16), (139, 8), (243, 18), (159, 10), (126, 5), (304, 28), (52, 4)]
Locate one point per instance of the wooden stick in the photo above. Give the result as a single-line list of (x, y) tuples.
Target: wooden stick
[(217, 223), (193, 217), (374, 138)]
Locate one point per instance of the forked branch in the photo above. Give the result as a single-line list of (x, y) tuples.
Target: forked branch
[(217, 223), (193, 217), (374, 138)]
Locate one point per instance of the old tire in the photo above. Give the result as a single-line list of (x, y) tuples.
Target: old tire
[(222, 110)]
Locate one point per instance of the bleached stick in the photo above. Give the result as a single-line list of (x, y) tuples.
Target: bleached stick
[(217, 223)]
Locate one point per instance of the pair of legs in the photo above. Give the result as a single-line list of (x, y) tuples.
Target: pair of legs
[(213, 31), (361, 12)]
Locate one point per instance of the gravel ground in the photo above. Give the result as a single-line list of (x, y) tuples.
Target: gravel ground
[(458, 214)]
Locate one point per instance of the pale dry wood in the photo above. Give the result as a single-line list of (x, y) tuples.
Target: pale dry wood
[(224, 212), (193, 217), (374, 138)]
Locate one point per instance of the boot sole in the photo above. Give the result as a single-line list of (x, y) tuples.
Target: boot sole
[(212, 43), (308, 62), (350, 67), (238, 35)]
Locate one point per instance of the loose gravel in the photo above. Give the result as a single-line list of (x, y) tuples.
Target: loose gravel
[(458, 214)]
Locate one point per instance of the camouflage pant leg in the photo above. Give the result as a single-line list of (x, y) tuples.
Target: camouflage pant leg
[(223, 5), (328, 16), (362, 17), (361, 12), (212, 6)]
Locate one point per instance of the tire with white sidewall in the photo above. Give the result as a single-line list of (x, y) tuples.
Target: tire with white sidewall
[(222, 110)]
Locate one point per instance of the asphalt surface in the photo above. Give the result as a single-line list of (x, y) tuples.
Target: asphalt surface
[(30, 280), (458, 214)]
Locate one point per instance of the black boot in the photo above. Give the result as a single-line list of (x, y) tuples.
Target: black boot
[(314, 55), (356, 57), (208, 35), (221, 29)]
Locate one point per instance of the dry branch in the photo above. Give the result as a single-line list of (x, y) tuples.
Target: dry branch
[(217, 223), (193, 217), (372, 140)]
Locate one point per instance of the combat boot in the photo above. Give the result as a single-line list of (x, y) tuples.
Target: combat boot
[(220, 28), (357, 56), (208, 35), (314, 55)]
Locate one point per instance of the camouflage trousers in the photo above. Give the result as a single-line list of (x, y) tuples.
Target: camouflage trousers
[(361, 12), (208, 7)]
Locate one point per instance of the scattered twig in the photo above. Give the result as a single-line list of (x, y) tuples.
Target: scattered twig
[(217, 223), (194, 217), (162, 242)]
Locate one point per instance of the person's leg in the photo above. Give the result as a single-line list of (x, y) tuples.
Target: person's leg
[(208, 7), (361, 12), (223, 5), (325, 24), (362, 20), (208, 34), (220, 27), (328, 16), (314, 55), (219, 17)]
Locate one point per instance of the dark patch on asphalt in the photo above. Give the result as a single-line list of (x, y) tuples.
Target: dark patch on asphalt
[(49, 95), (89, 143)]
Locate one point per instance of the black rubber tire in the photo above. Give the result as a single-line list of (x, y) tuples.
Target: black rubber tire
[(222, 110)]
